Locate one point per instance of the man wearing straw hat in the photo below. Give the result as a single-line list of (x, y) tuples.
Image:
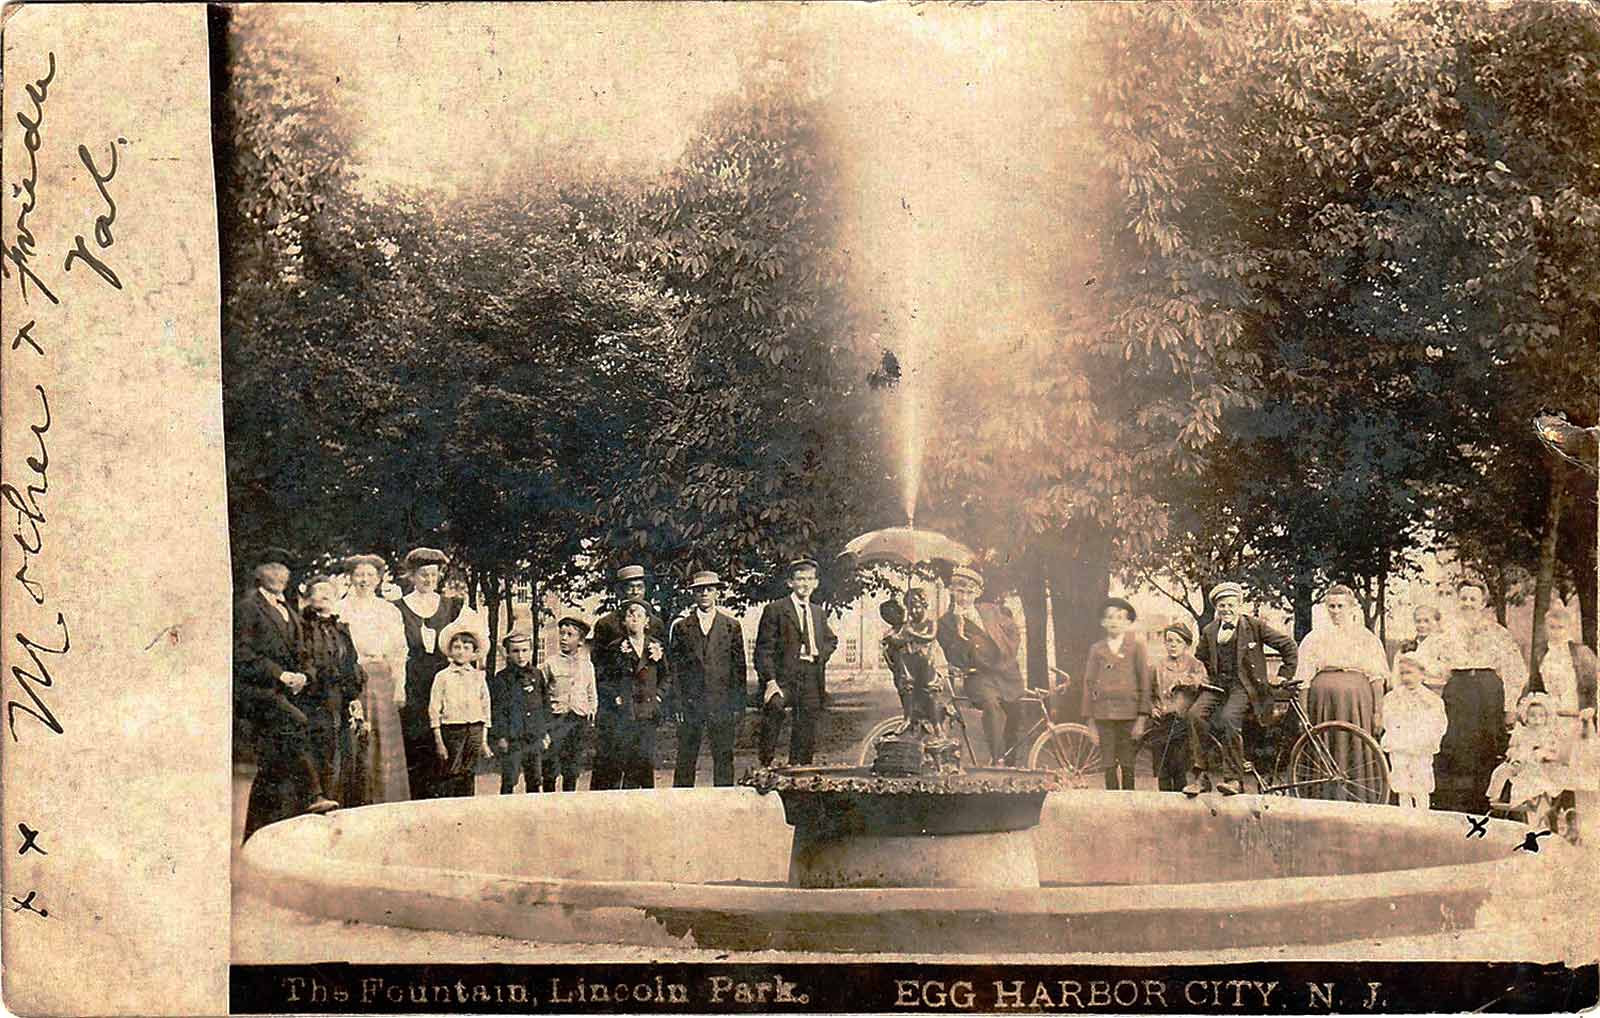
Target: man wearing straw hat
[(629, 586), (708, 682)]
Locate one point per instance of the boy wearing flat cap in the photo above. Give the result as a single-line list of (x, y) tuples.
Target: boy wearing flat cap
[(1179, 676), (519, 710), (570, 681), (708, 682), (793, 644), (630, 678)]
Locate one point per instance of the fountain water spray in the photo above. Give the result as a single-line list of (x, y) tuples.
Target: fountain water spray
[(912, 385)]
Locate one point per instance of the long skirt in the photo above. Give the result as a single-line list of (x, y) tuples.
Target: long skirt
[(1348, 697), (1474, 740), (385, 771)]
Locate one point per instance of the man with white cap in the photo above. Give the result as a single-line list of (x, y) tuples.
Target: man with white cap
[(981, 640), (708, 682), (1233, 649), (630, 586)]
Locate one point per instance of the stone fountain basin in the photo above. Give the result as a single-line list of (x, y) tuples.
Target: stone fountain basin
[(1123, 872)]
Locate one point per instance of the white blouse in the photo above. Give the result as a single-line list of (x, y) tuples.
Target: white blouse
[(1487, 645), (376, 627), (1348, 648)]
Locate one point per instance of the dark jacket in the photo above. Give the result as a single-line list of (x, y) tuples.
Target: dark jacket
[(608, 630), (1250, 640), (327, 656), (519, 704), (265, 645), (989, 651), (778, 647), (709, 673), (422, 664), (1118, 687), (637, 681)]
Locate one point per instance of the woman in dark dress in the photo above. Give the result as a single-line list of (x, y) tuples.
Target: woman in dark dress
[(424, 612)]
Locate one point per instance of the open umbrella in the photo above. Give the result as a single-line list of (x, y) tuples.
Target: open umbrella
[(905, 546)]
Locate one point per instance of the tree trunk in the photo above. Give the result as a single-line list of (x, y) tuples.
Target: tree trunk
[(1304, 602), (1495, 578), (1080, 581), (1383, 605), (1544, 578), (1035, 628), (1586, 598), (535, 618), (492, 583)]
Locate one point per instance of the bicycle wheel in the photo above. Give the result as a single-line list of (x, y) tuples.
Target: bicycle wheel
[(1072, 751), (880, 731), (1339, 761)]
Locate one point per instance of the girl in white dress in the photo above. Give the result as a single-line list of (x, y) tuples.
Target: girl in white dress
[(1414, 724), (380, 638), (1533, 762)]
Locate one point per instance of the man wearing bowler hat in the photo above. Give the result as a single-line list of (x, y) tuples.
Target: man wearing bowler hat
[(708, 686), (793, 644), (268, 684), (630, 586)]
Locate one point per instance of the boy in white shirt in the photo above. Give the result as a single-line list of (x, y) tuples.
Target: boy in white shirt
[(458, 710), (569, 676)]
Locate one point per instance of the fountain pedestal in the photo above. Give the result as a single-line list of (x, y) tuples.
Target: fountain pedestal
[(854, 828)]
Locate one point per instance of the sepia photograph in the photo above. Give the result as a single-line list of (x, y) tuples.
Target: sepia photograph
[(909, 506)]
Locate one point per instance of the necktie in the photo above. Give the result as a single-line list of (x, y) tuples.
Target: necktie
[(806, 650)]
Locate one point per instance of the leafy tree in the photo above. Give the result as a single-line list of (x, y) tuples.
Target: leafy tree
[(770, 449)]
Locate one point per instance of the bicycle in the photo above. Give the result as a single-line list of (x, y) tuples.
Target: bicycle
[(1310, 768), (1071, 750)]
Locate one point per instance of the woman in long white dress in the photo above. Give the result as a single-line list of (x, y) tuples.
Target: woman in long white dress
[(380, 638)]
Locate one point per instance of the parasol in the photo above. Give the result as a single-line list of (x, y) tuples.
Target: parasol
[(905, 546)]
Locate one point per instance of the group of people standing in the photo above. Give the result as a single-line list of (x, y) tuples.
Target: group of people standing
[(361, 699), (355, 698), (1444, 708)]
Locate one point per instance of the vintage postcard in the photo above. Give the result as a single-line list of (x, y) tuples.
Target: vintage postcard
[(560, 508)]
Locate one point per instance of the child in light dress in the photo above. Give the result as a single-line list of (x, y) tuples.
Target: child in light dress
[(1414, 723), (1533, 764)]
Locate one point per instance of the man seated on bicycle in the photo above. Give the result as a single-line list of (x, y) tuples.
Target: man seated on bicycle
[(1233, 649), (981, 640)]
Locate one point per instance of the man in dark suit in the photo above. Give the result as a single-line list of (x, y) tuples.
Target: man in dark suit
[(793, 644), (1233, 649), (981, 640), (708, 682), (267, 683), (630, 586)]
